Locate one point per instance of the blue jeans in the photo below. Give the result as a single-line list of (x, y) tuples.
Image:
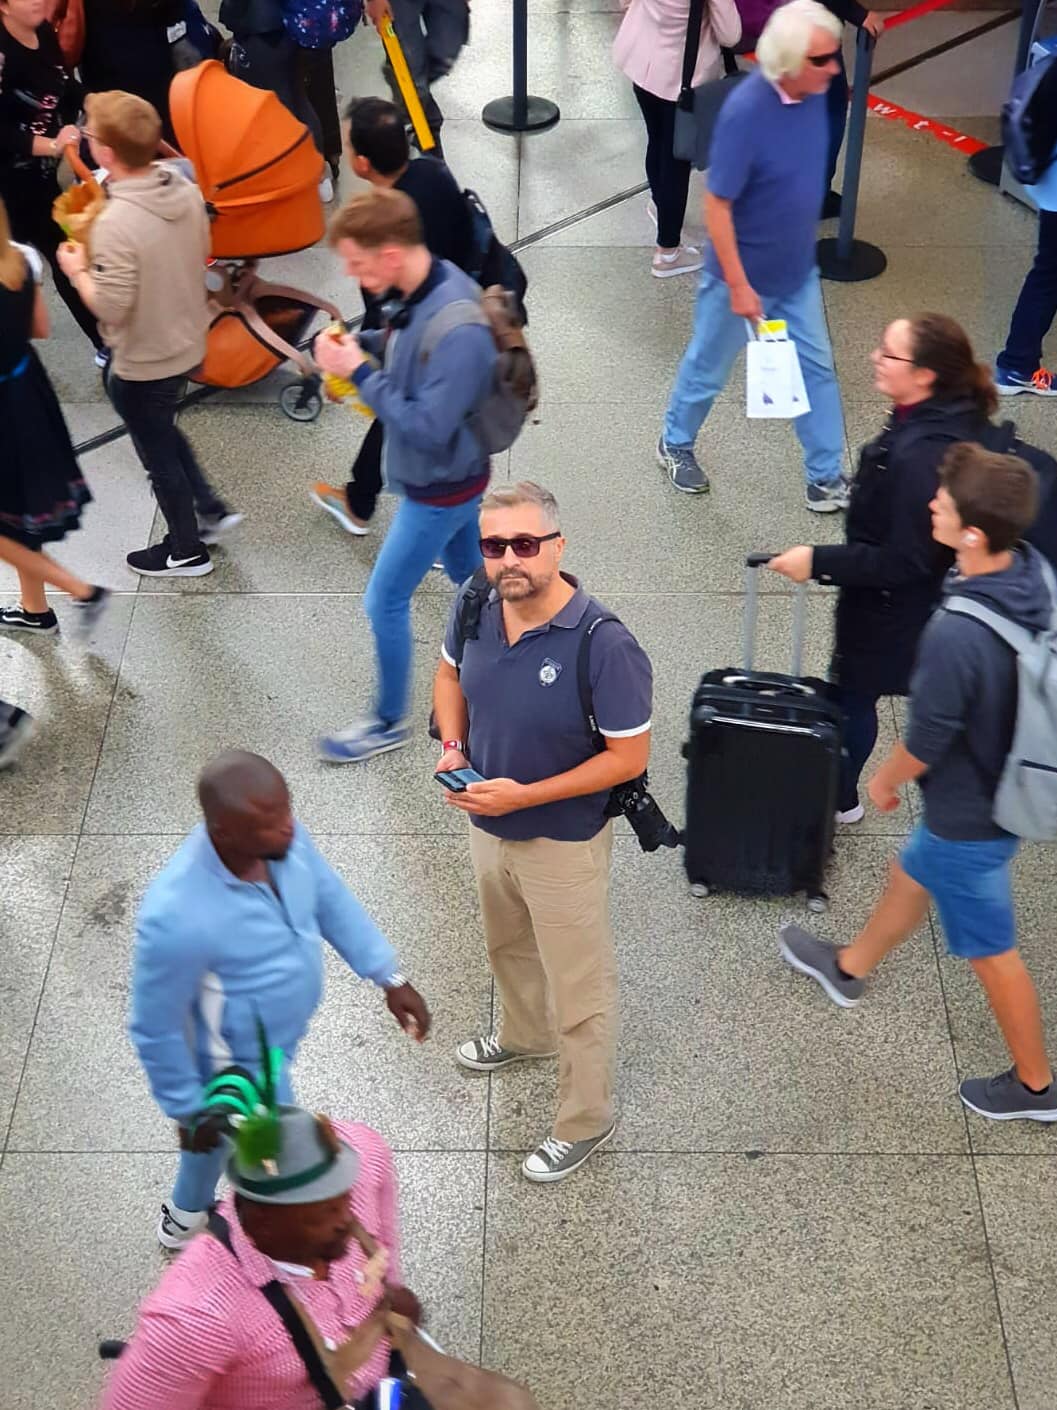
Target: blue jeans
[(418, 536), (197, 1177), (718, 337), (1036, 306), (860, 736)]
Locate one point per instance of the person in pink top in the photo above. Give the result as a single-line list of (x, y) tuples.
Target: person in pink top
[(315, 1228), (649, 49)]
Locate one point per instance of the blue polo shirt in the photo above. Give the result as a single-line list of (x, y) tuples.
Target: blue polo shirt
[(768, 158), (526, 720)]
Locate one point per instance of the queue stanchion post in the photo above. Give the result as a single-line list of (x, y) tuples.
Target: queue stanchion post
[(521, 112), (845, 259)]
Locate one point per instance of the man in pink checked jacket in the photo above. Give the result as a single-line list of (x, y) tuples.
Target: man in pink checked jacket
[(320, 1220)]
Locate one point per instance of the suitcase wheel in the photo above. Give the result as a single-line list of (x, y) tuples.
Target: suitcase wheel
[(818, 904), (698, 890)]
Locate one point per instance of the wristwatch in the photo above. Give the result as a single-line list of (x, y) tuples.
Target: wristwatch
[(395, 981), (456, 744)]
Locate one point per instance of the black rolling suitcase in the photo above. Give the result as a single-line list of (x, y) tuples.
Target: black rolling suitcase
[(762, 773)]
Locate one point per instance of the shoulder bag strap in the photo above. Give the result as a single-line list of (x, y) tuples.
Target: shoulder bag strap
[(322, 1381), (690, 49), (459, 314), (1017, 637), (583, 680)]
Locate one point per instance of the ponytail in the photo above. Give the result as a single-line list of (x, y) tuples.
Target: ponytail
[(942, 347)]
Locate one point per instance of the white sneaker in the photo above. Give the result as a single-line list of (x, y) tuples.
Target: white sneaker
[(214, 527), (685, 260), (177, 1227), (852, 815), (326, 190)]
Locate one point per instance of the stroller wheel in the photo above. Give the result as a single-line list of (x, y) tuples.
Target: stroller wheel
[(301, 401)]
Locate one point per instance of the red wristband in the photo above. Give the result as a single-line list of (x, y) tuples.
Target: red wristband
[(455, 744)]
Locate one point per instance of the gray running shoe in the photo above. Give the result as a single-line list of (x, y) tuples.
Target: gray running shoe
[(553, 1160), (682, 468), (1005, 1098), (828, 498), (487, 1054), (818, 960)]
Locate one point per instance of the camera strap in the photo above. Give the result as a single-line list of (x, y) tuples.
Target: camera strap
[(583, 680)]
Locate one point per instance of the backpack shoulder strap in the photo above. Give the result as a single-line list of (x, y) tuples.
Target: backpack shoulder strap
[(322, 1381), (583, 679), (1017, 637), (471, 605), (461, 314)]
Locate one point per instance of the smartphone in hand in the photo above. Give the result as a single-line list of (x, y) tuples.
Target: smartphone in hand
[(457, 780)]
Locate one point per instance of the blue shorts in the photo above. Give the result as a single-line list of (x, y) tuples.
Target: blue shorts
[(969, 881)]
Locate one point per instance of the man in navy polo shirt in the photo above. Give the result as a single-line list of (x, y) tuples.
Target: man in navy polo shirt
[(765, 187), (540, 840)]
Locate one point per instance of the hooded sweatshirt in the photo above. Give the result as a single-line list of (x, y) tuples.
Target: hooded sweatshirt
[(963, 698), (149, 246)]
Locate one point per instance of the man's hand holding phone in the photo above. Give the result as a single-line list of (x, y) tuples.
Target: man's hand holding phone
[(490, 798)]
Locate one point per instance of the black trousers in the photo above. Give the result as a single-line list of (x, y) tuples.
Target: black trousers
[(148, 409), (362, 491), (28, 205), (272, 61), (669, 178), (315, 68)]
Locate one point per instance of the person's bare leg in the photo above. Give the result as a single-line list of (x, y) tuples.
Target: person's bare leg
[(33, 566), (1014, 1002), (899, 912), (31, 593)]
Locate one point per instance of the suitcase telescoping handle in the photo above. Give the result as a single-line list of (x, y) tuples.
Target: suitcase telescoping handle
[(753, 562)]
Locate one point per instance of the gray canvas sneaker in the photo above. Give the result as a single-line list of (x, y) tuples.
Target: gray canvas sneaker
[(818, 961), (553, 1160), (487, 1054), (1005, 1098), (682, 468)]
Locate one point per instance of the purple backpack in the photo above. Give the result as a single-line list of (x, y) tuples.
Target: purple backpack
[(754, 15)]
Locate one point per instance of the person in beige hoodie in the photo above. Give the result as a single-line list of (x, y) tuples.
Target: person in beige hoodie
[(144, 279)]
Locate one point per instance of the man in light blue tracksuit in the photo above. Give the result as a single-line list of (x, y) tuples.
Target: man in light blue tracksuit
[(432, 456), (232, 929)]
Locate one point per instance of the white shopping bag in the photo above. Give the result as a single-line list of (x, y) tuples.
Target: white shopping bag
[(774, 383)]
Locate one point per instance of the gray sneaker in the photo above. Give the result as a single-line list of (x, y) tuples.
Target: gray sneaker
[(818, 960), (553, 1160), (828, 498), (1005, 1098), (682, 468), (487, 1054)]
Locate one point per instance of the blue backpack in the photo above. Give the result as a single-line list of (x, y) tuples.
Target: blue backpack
[(1029, 122), (320, 24)]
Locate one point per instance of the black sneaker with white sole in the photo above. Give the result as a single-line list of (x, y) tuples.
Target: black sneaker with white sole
[(17, 619), (818, 961), (487, 1054), (158, 561)]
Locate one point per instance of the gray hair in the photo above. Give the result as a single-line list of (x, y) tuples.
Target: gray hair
[(523, 492), (786, 37)]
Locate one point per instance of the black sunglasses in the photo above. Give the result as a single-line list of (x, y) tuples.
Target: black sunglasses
[(524, 545), (821, 60)]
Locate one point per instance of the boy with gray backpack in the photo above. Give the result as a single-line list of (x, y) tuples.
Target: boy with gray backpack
[(981, 741)]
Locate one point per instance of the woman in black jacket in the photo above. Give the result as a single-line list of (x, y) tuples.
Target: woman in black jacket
[(39, 105), (890, 570)]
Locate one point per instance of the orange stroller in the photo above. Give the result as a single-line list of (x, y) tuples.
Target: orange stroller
[(258, 170)]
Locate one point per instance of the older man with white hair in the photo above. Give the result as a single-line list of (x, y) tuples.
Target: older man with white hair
[(766, 182)]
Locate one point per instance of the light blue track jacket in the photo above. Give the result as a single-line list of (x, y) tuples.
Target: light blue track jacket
[(213, 951)]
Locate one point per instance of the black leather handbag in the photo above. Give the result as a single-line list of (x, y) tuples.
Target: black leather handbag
[(697, 108)]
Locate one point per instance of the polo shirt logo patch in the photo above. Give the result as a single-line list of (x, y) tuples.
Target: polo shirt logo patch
[(549, 671)]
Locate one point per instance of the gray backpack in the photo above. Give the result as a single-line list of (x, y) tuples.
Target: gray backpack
[(497, 422), (1026, 800)]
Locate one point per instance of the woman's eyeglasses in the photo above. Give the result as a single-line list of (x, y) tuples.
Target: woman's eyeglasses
[(524, 545), (893, 357)]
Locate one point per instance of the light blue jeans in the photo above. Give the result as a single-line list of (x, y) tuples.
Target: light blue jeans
[(418, 536), (718, 337), (198, 1175)]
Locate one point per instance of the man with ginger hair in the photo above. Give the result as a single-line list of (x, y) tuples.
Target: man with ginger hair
[(143, 276)]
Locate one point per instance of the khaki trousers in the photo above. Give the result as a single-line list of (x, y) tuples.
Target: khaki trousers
[(545, 906)]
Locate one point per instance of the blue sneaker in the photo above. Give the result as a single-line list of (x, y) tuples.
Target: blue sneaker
[(362, 741), (680, 464), (1011, 384)]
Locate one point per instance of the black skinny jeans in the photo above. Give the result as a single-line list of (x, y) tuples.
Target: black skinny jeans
[(860, 736), (28, 203), (669, 178), (362, 491), (148, 409)]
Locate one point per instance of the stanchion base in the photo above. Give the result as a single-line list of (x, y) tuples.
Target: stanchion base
[(540, 113), (864, 262), (987, 165)]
